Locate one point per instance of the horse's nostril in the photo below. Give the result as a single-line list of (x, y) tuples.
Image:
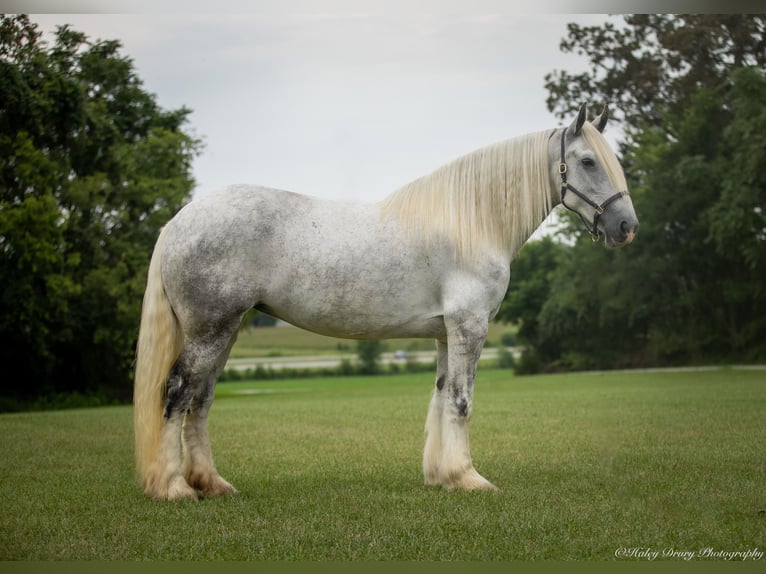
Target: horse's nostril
[(628, 230), (627, 227)]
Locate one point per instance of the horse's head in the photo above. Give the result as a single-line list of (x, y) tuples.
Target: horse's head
[(592, 181)]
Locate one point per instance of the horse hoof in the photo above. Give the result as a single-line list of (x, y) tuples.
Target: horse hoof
[(211, 485), (179, 489), (471, 480), (219, 487), (479, 483), (432, 478)]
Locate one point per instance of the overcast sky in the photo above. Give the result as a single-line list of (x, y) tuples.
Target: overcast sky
[(341, 105)]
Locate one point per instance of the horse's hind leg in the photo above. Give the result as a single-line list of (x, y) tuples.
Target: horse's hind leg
[(168, 481), (199, 469), (188, 399)]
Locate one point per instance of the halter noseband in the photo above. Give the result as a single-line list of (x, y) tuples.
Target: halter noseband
[(599, 209)]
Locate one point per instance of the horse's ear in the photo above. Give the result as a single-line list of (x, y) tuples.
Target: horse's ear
[(600, 120), (576, 126)]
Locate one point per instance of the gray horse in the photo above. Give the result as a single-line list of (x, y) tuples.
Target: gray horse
[(430, 261)]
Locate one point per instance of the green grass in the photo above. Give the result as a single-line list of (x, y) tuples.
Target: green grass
[(290, 341), (330, 469)]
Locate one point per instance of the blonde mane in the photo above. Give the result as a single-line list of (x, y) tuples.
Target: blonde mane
[(597, 142), (494, 198)]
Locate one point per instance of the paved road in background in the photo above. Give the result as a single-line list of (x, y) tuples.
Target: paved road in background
[(319, 361)]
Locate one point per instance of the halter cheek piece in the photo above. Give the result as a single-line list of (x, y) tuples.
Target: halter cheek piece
[(565, 186)]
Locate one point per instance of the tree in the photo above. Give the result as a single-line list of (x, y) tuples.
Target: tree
[(369, 352), (705, 236), (90, 169), (532, 272), (651, 64), (690, 92)]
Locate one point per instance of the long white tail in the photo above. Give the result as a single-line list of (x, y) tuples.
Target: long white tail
[(159, 343)]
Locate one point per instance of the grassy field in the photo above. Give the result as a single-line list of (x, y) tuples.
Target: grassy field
[(290, 341), (587, 464)]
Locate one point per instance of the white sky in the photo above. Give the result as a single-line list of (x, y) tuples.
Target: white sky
[(341, 105)]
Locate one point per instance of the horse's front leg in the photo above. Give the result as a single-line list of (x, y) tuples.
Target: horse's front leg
[(432, 453), (465, 339)]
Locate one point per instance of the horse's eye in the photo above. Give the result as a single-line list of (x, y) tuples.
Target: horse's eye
[(588, 162)]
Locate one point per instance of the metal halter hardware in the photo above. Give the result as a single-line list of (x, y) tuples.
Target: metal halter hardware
[(599, 209)]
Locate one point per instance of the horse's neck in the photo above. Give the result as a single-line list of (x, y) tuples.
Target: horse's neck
[(493, 198)]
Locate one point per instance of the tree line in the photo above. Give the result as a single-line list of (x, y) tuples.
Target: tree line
[(91, 167)]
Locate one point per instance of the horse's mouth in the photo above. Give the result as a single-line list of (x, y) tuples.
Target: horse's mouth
[(628, 238)]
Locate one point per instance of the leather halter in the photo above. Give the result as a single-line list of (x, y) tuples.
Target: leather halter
[(566, 186)]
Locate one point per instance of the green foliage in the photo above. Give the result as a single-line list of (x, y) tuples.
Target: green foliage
[(505, 359), (738, 219), (530, 285), (90, 168), (508, 339), (691, 287)]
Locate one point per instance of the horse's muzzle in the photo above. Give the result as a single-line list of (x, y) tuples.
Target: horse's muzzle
[(624, 233)]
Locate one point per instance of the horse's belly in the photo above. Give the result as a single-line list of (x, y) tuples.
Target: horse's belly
[(352, 320), (422, 329)]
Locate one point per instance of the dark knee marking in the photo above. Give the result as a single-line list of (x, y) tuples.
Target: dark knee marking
[(440, 382), (460, 401)]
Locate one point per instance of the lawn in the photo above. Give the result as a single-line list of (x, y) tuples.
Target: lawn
[(588, 464)]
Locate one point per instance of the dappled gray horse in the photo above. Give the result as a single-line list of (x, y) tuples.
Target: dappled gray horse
[(431, 260)]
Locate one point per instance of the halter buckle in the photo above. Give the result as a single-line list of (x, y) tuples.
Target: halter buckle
[(562, 168), (594, 237), (600, 209)]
